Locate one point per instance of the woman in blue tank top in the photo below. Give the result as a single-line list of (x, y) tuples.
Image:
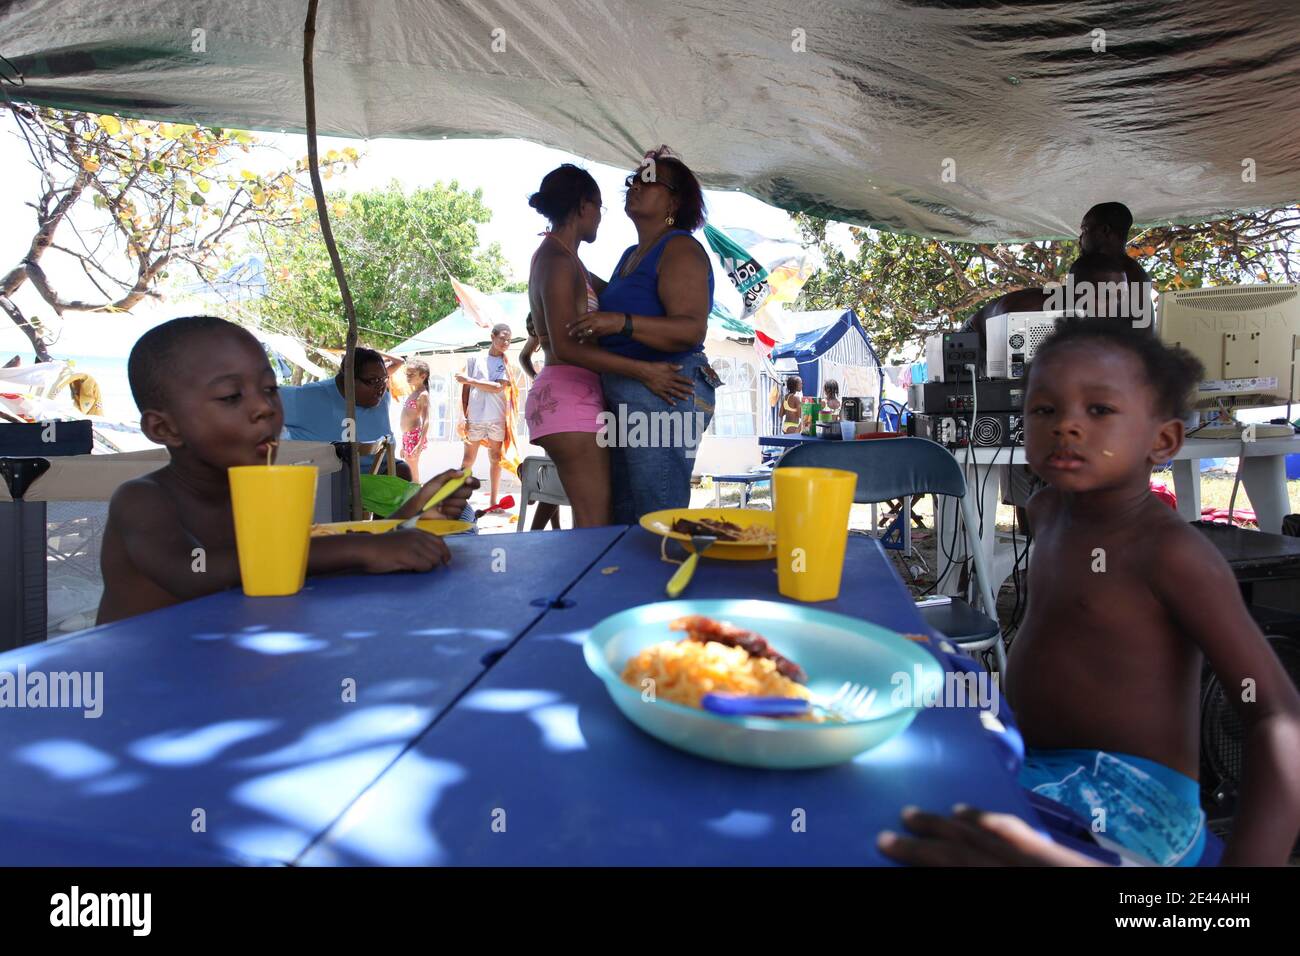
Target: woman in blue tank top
[(656, 308)]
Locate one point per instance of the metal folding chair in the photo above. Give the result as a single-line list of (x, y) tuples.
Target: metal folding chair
[(383, 452), (889, 468)]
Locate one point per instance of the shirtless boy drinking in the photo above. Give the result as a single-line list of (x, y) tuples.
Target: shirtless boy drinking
[(1126, 602), (206, 391)]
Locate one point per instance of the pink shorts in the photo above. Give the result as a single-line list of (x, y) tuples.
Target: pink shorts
[(564, 398)]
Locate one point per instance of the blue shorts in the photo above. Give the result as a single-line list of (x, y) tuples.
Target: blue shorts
[(652, 444), (1141, 807)]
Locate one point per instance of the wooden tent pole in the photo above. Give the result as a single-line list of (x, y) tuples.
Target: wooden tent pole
[(322, 210)]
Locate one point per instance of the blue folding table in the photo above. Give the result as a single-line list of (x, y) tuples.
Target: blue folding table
[(535, 765), (229, 729)]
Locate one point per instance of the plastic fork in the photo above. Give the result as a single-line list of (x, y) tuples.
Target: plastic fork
[(850, 702), (682, 577)]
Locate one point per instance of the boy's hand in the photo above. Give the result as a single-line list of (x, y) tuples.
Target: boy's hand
[(972, 837), (410, 550), (451, 507)]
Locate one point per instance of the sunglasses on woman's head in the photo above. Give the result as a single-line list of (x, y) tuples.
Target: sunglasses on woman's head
[(636, 178)]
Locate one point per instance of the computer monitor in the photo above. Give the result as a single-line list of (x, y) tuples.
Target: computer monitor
[(1247, 337)]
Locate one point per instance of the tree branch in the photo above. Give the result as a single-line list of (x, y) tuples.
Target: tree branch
[(957, 271), (29, 330), (322, 210)]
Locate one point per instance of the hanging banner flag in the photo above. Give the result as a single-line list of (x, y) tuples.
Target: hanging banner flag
[(477, 306), (749, 278), (786, 278)]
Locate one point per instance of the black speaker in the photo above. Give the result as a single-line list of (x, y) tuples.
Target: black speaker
[(1222, 733), (998, 429)]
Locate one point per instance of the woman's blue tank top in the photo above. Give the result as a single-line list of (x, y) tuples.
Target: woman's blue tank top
[(638, 294)]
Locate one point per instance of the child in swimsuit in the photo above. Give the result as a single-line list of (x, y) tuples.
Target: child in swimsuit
[(1127, 601), (792, 407), (415, 415), (832, 401)]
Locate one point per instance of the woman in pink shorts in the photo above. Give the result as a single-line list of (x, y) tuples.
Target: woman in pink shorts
[(565, 402)]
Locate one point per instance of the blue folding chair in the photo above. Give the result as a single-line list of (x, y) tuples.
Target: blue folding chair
[(889, 468)]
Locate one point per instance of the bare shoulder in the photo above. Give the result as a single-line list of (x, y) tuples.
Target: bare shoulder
[(143, 496), (684, 247), (1182, 558), (556, 265)]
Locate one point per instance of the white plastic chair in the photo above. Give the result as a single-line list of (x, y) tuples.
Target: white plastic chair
[(540, 481)]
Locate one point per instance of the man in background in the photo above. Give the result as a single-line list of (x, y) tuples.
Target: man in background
[(1105, 230), (1103, 239), (483, 400)]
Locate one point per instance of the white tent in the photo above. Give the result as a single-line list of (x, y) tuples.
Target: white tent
[(977, 121)]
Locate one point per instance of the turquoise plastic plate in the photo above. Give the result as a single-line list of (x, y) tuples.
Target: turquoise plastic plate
[(830, 647)]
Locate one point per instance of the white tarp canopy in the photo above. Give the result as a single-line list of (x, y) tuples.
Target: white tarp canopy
[(966, 120), (457, 332)]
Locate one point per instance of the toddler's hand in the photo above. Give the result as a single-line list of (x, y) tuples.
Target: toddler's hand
[(972, 837), (451, 507), (401, 551)]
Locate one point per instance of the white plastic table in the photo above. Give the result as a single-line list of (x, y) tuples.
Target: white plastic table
[(1263, 475)]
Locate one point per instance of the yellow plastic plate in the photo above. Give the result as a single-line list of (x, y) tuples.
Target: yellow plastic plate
[(438, 526), (661, 523)]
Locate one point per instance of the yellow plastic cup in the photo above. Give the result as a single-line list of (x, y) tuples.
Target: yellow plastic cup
[(812, 528), (273, 507)]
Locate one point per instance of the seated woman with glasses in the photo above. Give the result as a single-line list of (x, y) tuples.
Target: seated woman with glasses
[(315, 412)]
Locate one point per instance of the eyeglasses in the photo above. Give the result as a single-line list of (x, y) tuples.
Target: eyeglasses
[(635, 178), (379, 384)]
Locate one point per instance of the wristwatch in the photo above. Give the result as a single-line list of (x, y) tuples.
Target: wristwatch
[(627, 324)]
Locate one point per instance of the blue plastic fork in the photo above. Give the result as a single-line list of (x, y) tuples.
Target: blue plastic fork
[(850, 702)]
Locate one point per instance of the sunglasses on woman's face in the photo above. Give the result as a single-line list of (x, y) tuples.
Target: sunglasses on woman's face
[(635, 180), (376, 383)]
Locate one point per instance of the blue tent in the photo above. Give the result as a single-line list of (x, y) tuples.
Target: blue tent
[(842, 341)]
